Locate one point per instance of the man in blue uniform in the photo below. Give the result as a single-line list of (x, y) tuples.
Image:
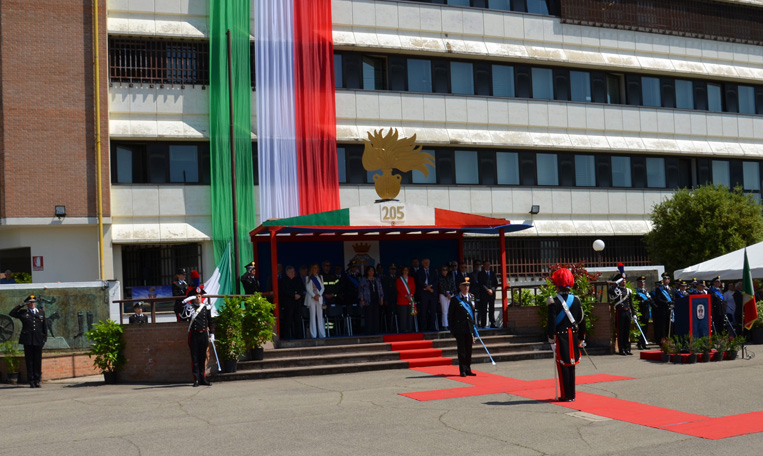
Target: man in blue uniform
[(718, 305), (566, 330), (33, 337), (461, 321), (663, 304)]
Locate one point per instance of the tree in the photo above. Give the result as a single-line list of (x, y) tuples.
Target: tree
[(697, 225)]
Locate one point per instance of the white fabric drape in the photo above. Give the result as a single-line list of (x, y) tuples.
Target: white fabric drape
[(276, 120)]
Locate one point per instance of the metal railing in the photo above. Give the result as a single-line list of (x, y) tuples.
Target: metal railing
[(144, 61)]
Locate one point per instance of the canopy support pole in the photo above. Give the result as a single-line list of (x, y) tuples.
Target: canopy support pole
[(461, 248), (274, 275), (504, 276)]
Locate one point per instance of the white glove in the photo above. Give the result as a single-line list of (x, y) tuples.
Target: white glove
[(553, 347), (212, 338)]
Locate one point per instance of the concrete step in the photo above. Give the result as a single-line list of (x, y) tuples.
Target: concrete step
[(327, 369)]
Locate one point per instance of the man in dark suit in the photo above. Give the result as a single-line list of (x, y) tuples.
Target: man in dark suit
[(461, 321), (488, 283), (389, 286), (138, 318), (291, 292), (33, 337), (426, 281), (461, 274)]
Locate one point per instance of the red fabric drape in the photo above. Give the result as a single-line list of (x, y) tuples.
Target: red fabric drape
[(315, 107)]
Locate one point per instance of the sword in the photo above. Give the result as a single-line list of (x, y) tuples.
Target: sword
[(219, 369), (582, 345), (556, 382), (483, 344), (635, 320)]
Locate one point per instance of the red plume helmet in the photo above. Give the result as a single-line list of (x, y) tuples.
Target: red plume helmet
[(563, 278), (194, 274)]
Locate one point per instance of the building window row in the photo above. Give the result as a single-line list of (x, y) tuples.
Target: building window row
[(159, 61), (706, 19), (468, 77), (546, 7), (554, 169), (164, 163)]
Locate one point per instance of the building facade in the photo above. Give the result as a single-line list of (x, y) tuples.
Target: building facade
[(574, 116)]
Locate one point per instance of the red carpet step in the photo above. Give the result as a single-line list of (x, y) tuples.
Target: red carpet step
[(410, 345), (417, 351), (403, 337)]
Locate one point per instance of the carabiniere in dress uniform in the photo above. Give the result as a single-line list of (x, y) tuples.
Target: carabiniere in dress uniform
[(33, 337)]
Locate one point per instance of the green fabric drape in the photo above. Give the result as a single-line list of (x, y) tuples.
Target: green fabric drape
[(230, 15)]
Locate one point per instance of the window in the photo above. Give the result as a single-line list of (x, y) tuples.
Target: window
[(503, 5), (466, 167), (746, 100), (684, 94), (621, 171), (342, 166), (338, 83), (721, 173), (124, 162), (714, 98), (655, 172), (373, 73), (419, 75), (507, 166), (580, 86), (459, 2), (157, 61), (650, 92), (543, 84), (462, 78), (537, 6), (548, 172), (184, 164), (418, 177), (503, 81), (585, 171), (613, 89), (751, 172)]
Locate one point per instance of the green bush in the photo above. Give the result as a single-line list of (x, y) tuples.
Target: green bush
[(12, 356), (259, 320), (108, 346), (229, 333)]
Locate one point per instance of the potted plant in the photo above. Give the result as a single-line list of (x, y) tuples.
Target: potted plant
[(693, 347), (734, 344), (12, 361), (720, 345), (705, 344), (108, 348), (668, 347), (676, 344), (229, 333), (258, 323)]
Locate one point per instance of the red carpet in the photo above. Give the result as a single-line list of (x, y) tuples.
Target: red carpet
[(417, 351), (609, 407)]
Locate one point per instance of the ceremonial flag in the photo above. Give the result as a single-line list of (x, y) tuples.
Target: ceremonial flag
[(220, 281), (748, 295)]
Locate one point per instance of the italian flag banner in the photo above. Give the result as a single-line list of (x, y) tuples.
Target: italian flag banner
[(296, 108), (748, 295)]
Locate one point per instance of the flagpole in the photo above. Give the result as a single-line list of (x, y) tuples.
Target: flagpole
[(233, 167)]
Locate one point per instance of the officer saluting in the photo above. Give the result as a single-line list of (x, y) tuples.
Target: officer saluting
[(33, 337), (179, 288), (201, 331), (249, 281), (566, 329), (621, 296), (461, 320)]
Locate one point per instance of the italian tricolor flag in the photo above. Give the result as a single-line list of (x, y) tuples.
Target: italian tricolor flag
[(748, 295)]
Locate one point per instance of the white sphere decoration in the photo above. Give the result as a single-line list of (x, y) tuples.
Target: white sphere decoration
[(598, 245)]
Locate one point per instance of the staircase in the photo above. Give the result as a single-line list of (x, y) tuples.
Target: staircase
[(396, 351)]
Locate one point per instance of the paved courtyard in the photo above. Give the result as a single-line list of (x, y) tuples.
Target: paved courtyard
[(364, 414)]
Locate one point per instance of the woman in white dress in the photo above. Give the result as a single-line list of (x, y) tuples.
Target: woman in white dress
[(314, 301)]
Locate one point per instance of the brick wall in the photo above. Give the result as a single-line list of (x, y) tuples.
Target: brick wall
[(47, 118), (56, 366), (526, 320), (158, 353)]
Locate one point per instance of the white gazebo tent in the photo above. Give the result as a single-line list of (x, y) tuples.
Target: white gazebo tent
[(728, 266)]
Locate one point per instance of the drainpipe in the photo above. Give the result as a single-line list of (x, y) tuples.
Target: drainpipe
[(96, 72)]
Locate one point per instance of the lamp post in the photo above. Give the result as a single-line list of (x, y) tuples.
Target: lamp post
[(598, 247)]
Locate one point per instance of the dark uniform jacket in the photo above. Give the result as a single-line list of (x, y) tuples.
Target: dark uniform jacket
[(660, 300), (203, 320), (568, 335), (459, 320), (250, 283), (33, 330), (616, 294), (389, 285), (179, 288), (138, 319)]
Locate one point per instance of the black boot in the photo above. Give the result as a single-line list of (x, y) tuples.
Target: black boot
[(462, 371), (469, 372)]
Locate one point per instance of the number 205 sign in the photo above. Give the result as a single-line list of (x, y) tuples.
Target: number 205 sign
[(392, 214)]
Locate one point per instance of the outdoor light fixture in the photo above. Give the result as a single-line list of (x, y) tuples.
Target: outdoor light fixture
[(535, 209), (598, 245), (60, 212)]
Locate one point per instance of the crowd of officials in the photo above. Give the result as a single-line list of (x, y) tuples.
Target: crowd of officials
[(658, 306), (375, 299)]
